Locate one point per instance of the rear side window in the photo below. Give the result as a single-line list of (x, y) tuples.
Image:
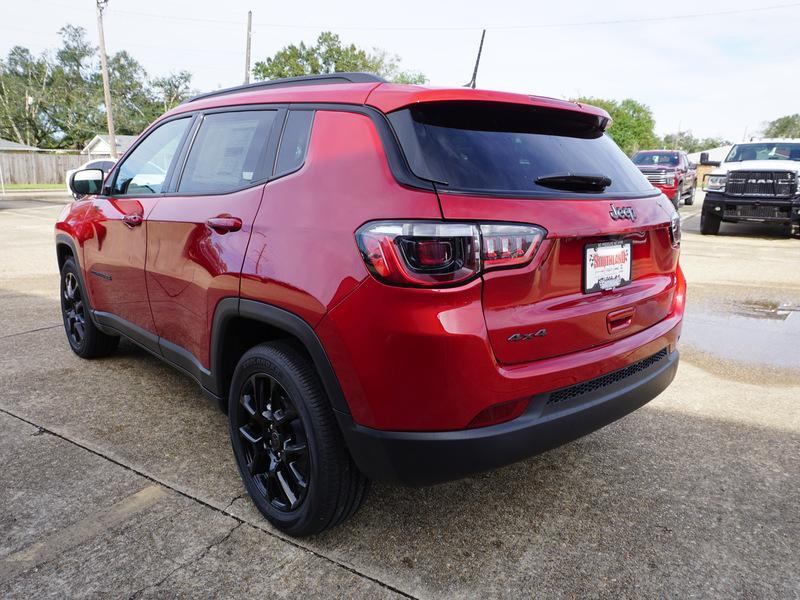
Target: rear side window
[(505, 148), (228, 153), (294, 141)]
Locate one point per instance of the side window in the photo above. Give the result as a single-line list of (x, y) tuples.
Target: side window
[(145, 170), (294, 141), (228, 153)]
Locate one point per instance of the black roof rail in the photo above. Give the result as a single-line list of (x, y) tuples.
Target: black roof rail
[(328, 78)]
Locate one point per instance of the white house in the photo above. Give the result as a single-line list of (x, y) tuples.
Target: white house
[(99, 147)]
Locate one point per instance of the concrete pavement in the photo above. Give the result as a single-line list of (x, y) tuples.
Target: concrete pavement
[(116, 476)]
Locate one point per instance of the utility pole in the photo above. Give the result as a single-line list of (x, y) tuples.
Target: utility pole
[(477, 62), (247, 52), (112, 140)]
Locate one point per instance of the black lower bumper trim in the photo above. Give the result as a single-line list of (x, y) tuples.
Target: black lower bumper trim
[(425, 458), (761, 210)]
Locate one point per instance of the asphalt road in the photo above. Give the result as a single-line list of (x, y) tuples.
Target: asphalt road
[(116, 476)]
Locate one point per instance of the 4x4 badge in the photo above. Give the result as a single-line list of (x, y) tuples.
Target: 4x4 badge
[(622, 212)]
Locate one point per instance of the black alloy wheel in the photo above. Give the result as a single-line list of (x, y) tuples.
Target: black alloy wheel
[(85, 339), (74, 310), (287, 442), (274, 442)]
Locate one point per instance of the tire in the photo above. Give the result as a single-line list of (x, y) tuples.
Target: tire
[(676, 199), (709, 224), (85, 339), (690, 198), (287, 443)]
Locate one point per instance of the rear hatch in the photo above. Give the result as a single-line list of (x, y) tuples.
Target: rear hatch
[(556, 169)]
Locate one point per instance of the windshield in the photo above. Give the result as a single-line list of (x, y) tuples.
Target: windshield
[(656, 159), (509, 149), (764, 151)]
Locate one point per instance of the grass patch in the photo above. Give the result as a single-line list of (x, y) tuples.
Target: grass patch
[(16, 187)]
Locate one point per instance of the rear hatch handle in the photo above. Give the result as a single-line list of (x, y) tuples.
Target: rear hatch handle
[(617, 320)]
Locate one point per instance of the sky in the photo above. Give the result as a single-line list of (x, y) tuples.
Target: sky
[(712, 74)]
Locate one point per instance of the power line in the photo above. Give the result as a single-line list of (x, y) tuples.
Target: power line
[(515, 26)]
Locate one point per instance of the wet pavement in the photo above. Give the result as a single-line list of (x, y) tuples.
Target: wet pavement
[(116, 476)]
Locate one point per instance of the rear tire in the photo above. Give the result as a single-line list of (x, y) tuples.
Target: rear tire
[(287, 443), (85, 339), (709, 224)]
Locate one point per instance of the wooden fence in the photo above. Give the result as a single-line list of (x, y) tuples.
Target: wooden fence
[(38, 167)]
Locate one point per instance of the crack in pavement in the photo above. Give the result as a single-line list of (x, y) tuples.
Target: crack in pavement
[(286, 540), (193, 559), (10, 335)]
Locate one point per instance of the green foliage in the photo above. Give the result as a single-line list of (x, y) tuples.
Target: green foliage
[(633, 126), (329, 55), (687, 142), (784, 127), (56, 100)]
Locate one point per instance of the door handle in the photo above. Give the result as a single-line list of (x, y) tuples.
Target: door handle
[(133, 220), (224, 223)]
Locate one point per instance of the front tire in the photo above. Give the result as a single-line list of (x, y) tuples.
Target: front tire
[(676, 199), (85, 339), (709, 224), (287, 443), (690, 198)]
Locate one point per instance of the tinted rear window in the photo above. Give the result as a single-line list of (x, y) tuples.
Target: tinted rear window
[(505, 148)]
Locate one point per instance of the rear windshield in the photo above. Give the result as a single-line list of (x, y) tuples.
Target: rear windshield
[(504, 148)]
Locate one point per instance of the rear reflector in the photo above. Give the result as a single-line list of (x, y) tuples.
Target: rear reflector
[(499, 413)]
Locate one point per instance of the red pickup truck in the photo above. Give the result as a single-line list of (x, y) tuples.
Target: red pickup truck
[(670, 171)]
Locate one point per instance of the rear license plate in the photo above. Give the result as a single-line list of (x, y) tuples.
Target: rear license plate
[(606, 266)]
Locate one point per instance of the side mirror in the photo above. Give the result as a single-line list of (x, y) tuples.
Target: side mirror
[(86, 182), (704, 160), (692, 166)]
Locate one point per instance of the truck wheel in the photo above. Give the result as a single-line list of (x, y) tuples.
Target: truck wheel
[(85, 339), (690, 198), (709, 224), (287, 443), (676, 199)]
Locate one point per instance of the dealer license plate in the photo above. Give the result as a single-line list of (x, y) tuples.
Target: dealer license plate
[(606, 266)]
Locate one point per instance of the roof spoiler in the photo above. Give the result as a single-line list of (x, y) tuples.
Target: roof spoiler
[(328, 78)]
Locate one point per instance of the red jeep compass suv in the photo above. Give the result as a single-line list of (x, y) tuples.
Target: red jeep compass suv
[(380, 281)]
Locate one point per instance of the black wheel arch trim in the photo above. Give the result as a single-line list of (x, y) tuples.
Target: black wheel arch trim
[(230, 308), (62, 239)]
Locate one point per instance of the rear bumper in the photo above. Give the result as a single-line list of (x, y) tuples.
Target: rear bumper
[(759, 210), (552, 419)]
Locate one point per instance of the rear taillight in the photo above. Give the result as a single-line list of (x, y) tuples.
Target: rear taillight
[(438, 253)]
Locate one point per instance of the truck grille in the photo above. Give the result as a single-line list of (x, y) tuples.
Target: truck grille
[(587, 387), (656, 176), (761, 184)]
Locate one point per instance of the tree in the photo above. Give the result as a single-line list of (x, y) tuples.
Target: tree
[(23, 92), (56, 100), (329, 55), (688, 143), (633, 123), (784, 127)]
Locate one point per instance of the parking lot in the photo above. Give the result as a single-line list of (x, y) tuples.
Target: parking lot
[(116, 475)]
